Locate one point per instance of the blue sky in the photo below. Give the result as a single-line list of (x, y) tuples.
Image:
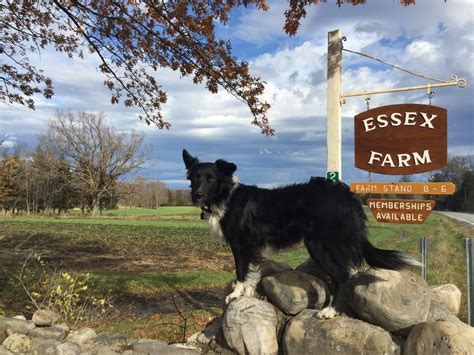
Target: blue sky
[(433, 37)]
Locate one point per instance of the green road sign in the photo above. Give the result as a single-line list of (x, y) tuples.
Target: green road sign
[(333, 175)]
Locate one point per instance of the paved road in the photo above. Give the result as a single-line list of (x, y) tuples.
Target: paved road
[(465, 217)]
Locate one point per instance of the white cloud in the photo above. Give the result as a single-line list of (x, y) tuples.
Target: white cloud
[(10, 142)]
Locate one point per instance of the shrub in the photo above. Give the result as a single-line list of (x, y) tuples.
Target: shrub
[(71, 296)]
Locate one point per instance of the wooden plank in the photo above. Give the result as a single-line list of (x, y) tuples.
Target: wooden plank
[(334, 135), (404, 188), (401, 211)]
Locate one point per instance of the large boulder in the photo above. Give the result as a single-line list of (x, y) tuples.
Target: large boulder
[(440, 338), (448, 294), (393, 300), (293, 291), (251, 326), (306, 334)]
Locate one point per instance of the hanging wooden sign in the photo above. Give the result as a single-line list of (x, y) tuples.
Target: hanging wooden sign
[(401, 211), (401, 139)]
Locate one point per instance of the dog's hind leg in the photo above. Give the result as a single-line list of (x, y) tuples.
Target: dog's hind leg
[(335, 270)]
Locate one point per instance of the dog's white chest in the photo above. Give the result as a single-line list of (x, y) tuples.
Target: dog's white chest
[(214, 223)]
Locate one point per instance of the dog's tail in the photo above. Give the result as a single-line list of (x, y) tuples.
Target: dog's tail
[(386, 259)]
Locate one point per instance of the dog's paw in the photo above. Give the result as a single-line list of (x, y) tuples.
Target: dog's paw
[(327, 313), (238, 292)]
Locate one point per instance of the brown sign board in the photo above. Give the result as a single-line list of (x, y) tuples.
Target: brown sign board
[(401, 139), (404, 188), (401, 211)]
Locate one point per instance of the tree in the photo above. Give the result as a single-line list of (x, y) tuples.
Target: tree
[(98, 156), (11, 190), (465, 195), (51, 185), (132, 40), (454, 172)]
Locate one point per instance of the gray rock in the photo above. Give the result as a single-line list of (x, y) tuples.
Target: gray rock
[(211, 339), (54, 332), (251, 326), (293, 291), (84, 337), (305, 334), (68, 348), (209, 333), (440, 338), (311, 268), (180, 349), (116, 342), (441, 312), (99, 349), (44, 346), (20, 317), (148, 346), (12, 325), (269, 267), (393, 300), (44, 317), (18, 343), (448, 294)]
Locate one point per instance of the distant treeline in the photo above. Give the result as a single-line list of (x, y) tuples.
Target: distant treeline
[(79, 163), (37, 183), (150, 194)]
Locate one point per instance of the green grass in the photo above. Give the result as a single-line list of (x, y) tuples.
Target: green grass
[(177, 211), (149, 284), (196, 223), (142, 256)]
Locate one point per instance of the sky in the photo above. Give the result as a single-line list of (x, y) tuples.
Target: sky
[(433, 37)]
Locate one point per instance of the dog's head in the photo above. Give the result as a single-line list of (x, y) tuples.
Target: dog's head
[(211, 183)]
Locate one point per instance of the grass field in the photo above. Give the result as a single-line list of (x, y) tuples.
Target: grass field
[(149, 262)]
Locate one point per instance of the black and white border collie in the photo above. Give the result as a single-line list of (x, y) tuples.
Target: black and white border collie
[(324, 214)]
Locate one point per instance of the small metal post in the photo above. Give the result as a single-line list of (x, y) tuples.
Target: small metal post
[(470, 290), (423, 257)]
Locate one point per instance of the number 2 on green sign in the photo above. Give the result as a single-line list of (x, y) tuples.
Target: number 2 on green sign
[(333, 175)]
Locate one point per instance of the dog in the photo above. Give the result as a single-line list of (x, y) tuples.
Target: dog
[(325, 215)]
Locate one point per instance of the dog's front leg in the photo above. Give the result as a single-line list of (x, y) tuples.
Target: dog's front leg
[(248, 276)]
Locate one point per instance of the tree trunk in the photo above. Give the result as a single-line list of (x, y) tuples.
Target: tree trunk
[(95, 207)]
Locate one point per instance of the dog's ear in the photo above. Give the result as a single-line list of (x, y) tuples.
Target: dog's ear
[(225, 167), (189, 161)]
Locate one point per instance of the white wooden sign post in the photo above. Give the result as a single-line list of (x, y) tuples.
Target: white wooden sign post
[(334, 138), (335, 98)]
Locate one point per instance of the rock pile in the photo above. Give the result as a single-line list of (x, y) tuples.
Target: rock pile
[(385, 312), (42, 335)]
